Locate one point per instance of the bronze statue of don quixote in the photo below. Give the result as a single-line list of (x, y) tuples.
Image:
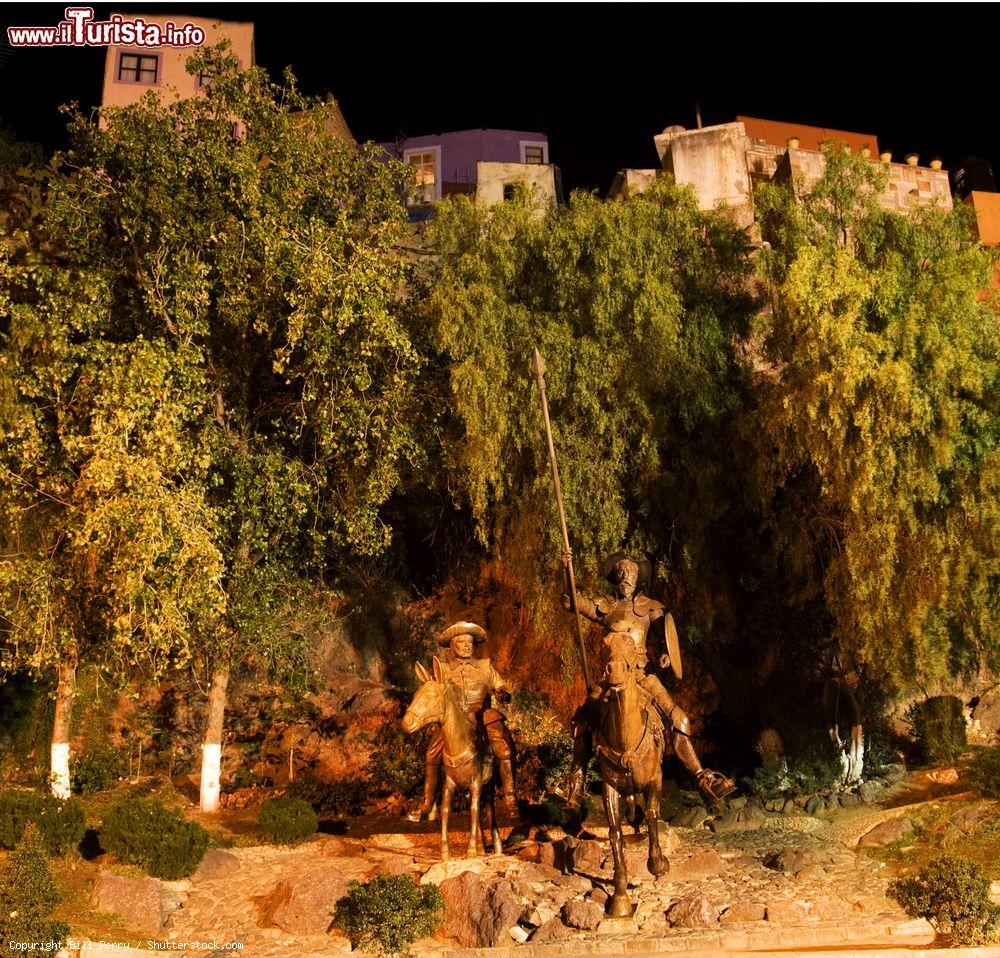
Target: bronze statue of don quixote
[(626, 721)]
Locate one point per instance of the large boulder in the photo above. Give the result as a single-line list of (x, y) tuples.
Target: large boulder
[(700, 865), (217, 864), (479, 913), (887, 833), (793, 860), (138, 901), (303, 906), (693, 911), (585, 915)]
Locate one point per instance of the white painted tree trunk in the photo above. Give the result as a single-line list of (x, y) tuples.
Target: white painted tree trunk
[(855, 756), (59, 754), (211, 754)]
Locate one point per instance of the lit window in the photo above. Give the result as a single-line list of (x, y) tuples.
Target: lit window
[(534, 154), (138, 68), (203, 79), (424, 175)]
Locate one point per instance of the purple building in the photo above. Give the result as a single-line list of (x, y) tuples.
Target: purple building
[(445, 163)]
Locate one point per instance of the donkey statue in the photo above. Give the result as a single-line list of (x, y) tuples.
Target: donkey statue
[(467, 756)]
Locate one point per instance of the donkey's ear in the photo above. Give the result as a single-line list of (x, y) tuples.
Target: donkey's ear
[(440, 669), (422, 674)]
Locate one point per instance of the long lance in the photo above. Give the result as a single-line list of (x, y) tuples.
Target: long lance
[(538, 367)]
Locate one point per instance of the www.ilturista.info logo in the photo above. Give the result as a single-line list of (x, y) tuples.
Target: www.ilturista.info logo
[(79, 29)]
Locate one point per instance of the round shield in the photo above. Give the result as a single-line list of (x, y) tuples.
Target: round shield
[(673, 646)]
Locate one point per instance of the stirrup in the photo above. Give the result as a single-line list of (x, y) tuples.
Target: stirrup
[(714, 786)]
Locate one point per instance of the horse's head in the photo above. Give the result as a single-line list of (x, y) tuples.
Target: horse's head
[(428, 705), (621, 660)]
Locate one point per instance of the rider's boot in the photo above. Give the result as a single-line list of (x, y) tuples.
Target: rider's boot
[(508, 796), (574, 794), (428, 808)]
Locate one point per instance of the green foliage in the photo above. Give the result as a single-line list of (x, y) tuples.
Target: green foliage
[(97, 769), (954, 896), (396, 764), (878, 463), (28, 895), (144, 832), (544, 746), (337, 799), (385, 915), (60, 822), (287, 820), (636, 307), (984, 769), (811, 767), (938, 728)]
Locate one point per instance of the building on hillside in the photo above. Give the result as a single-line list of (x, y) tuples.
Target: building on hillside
[(481, 163), (129, 72), (723, 163)]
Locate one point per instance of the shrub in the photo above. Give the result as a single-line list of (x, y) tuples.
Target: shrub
[(61, 822), (396, 765), (813, 766), (938, 728), (287, 820), (330, 799), (389, 912), (144, 832), (97, 770), (954, 896), (984, 770), (28, 895)]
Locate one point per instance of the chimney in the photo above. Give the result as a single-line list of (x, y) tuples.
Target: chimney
[(913, 159), (697, 115)]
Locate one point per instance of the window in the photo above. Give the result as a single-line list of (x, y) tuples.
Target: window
[(425, 173), (139, 68), (202, 79), (509, 191), (534, 152)]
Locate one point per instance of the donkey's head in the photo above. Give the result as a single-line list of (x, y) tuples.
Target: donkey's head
[(428, 705)]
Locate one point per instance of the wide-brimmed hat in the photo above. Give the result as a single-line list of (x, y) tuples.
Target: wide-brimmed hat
[(477, 632), (644, 577)]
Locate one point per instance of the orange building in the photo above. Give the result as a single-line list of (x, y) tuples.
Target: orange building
[(778, 133), (987, 207), (129, 72)]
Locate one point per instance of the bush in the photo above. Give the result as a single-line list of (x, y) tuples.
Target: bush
[(330, 799), (389, 912), (287, 820), (396, 765), (97, 770), (954, 896), (144, 832), (984, 770), (545, 749), (938, 728), (812, 767), (28, 896), (61, 822)]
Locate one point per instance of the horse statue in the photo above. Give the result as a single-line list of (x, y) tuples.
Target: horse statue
[(467, 756), (629, 743)]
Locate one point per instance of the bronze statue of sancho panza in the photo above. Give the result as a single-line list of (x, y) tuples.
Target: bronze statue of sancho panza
[(651, 628), (482, 687)]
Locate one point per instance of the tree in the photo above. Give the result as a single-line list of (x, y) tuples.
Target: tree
[(638, 308), (878, 421), (235, 245)]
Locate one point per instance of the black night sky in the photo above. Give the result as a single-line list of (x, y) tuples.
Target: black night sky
[(599, 79)]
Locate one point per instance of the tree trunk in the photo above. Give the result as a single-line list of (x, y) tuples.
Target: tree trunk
[(211, 755), (59, 755)]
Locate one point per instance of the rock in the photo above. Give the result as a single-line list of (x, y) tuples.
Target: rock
[(552, 854), (792, 860), (519, 934), (895, 773), (783, 910), (138, 901), (588, 855), (810, 873), (692, 911), (815, 804), (887, 833), (302, 906), (701, 865), (742, 911), (967, 820), (478, 913), (552, 930), (537, 872), (943, 776), (653, 923), (774, 805), (690, 798), (791, 807), (585, 915), (217, 864), (828, 908), (740, 801), (849, 800), (739, 820), (569, 886), (869, 792), (692, 817), (995, 892), (441, 871), (538, 913), (599, 896)]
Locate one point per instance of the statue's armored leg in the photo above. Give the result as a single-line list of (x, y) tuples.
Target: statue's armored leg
[(657, 863), (582, 752), (503, 751), (713, 786), (449, 789), (618, 905), (474, 822)]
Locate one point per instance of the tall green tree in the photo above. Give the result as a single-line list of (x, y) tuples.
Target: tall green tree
[(222, 274), (879, 420)]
